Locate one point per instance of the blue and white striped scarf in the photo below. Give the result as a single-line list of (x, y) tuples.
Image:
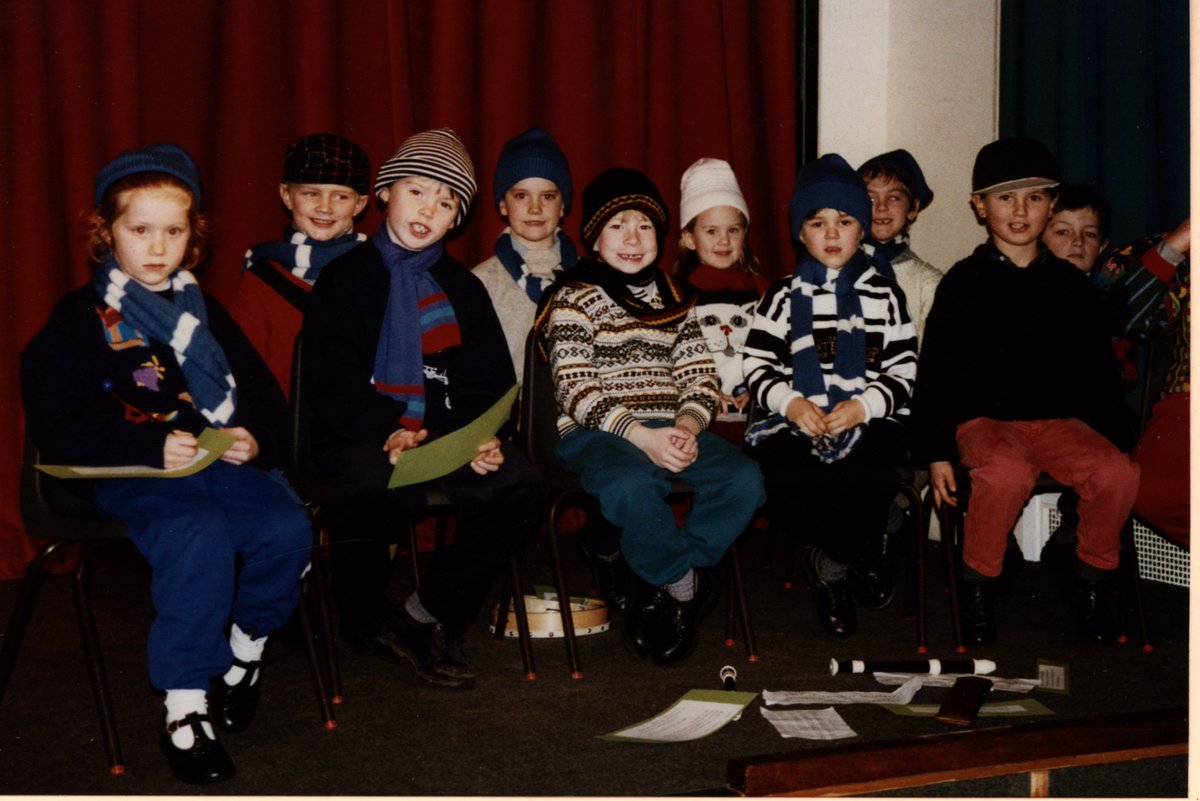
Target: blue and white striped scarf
[(304, 257), (514, 262), (181, 323), (849, 362)]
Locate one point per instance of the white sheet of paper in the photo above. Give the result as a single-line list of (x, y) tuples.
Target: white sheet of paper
[(809, 724), (697, 713), (901, 695), (1006, 685)]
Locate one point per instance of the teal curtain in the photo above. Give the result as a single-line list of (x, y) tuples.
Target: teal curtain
[(1104, 83)]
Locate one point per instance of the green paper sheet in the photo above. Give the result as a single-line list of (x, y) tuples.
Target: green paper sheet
[(446, 454), (210, 445), (697, 713)]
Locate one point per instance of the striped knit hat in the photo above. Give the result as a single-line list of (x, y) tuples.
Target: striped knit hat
[(438, 154), (614, 191)]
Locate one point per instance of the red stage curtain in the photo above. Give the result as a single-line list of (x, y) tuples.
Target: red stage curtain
[(652, 84)]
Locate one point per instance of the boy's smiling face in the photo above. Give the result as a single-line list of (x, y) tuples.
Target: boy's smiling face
[(1015, 218), (831, 237), (892, 208), (322, 211), (420, 211), (1074, 235), (628, 242), (533, 207)]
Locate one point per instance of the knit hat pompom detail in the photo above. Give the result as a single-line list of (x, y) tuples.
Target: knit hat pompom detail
[(706, 184), (325, 158), (437, 154), (902, 163), (1014, 163), (532, 154), (613, 191), (828, 183), (162, 157)]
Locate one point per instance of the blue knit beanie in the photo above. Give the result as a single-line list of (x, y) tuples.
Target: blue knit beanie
[(170, 159), (828, 183), (533, 154), (906, 168)]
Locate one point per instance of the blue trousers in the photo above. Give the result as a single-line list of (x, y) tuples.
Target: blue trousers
[(633, 497), (190, 530)]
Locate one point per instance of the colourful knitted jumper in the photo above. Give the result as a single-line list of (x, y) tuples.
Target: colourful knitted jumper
[(611, 370)]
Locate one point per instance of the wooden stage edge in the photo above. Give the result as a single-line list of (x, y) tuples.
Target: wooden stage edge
[(1033, 748)]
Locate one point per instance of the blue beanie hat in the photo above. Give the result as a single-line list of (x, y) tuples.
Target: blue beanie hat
[(828, 183), (533, 154), (170, 159), (902, 163)]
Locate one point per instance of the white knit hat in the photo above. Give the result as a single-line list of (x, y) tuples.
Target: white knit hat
[(706, 184)]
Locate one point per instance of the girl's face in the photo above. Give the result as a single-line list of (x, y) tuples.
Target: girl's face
[(892, 208), (628, 242), (717, 236), (831, 237), (151, 232), (1074, 235), (322, 211), (420, 211)]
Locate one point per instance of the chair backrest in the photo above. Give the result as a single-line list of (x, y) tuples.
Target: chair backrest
[(538, 425), (302, 469), (52, 512)]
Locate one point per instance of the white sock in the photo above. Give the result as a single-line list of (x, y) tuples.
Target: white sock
[(245, 649), (415, 608), (180, 704), (685, 588)]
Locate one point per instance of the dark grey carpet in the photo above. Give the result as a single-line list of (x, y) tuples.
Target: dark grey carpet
[(509, 736)]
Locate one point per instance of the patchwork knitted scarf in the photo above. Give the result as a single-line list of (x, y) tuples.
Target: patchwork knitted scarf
[(535, 270), (849, 362), (419, 320), (304, 257), (181, 322), (882, 254)]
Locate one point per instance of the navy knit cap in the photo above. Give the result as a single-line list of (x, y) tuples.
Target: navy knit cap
[(533, 154), (438, 154), (325, 158), (614, 191), (1013, 163), (828, 183), (165, 158), (902, 163)]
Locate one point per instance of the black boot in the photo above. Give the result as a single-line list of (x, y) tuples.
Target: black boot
[(872, 585), (1093, 611), (434, 653), (610, 573), (835, 607), (647, 602), (978, 615)]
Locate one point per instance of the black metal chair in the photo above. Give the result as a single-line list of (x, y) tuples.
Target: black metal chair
[(59, 517), (539, 431), (316, 493)]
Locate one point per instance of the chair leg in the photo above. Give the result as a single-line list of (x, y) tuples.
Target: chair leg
[(921, 548), (515, 585), (1133, 581), (951, 521), (737, 590), (20, 615), (95, 664), (318, 585), (315, 665), (915, 527), (560, 586)]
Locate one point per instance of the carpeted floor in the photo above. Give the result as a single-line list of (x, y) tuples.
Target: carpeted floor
[(510, 736)]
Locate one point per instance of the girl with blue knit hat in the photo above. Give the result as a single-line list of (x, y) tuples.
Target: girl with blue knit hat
[(130, 369), (831, 359)]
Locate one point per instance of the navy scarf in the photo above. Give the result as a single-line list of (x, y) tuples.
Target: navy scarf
[(302, 256), (513, 262)]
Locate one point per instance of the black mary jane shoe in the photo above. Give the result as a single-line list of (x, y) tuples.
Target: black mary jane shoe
[(205, 762), (234, 705)]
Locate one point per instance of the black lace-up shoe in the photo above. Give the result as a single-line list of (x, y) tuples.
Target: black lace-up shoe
[(872, 586), (646, 603), (835, 607), (434, 654)]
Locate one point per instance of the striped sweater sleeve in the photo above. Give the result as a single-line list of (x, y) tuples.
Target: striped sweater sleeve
[(766, 357), (890, 382)]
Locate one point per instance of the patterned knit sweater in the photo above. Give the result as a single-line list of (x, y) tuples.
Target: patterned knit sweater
[(612, 371), (891, 367)]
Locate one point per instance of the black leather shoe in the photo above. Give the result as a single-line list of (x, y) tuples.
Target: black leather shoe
[(872, 586), (1093, 612), (679, 621), (434, 654), (205, 762), (647, 603), (978, 615), (234, 705), (610, 574), (835, 607)]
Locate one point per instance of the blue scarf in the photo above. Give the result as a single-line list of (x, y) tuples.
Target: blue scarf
[(304, 257), (182, 323), (514, 262), (419, 320), (849, 362), (882, 254)]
